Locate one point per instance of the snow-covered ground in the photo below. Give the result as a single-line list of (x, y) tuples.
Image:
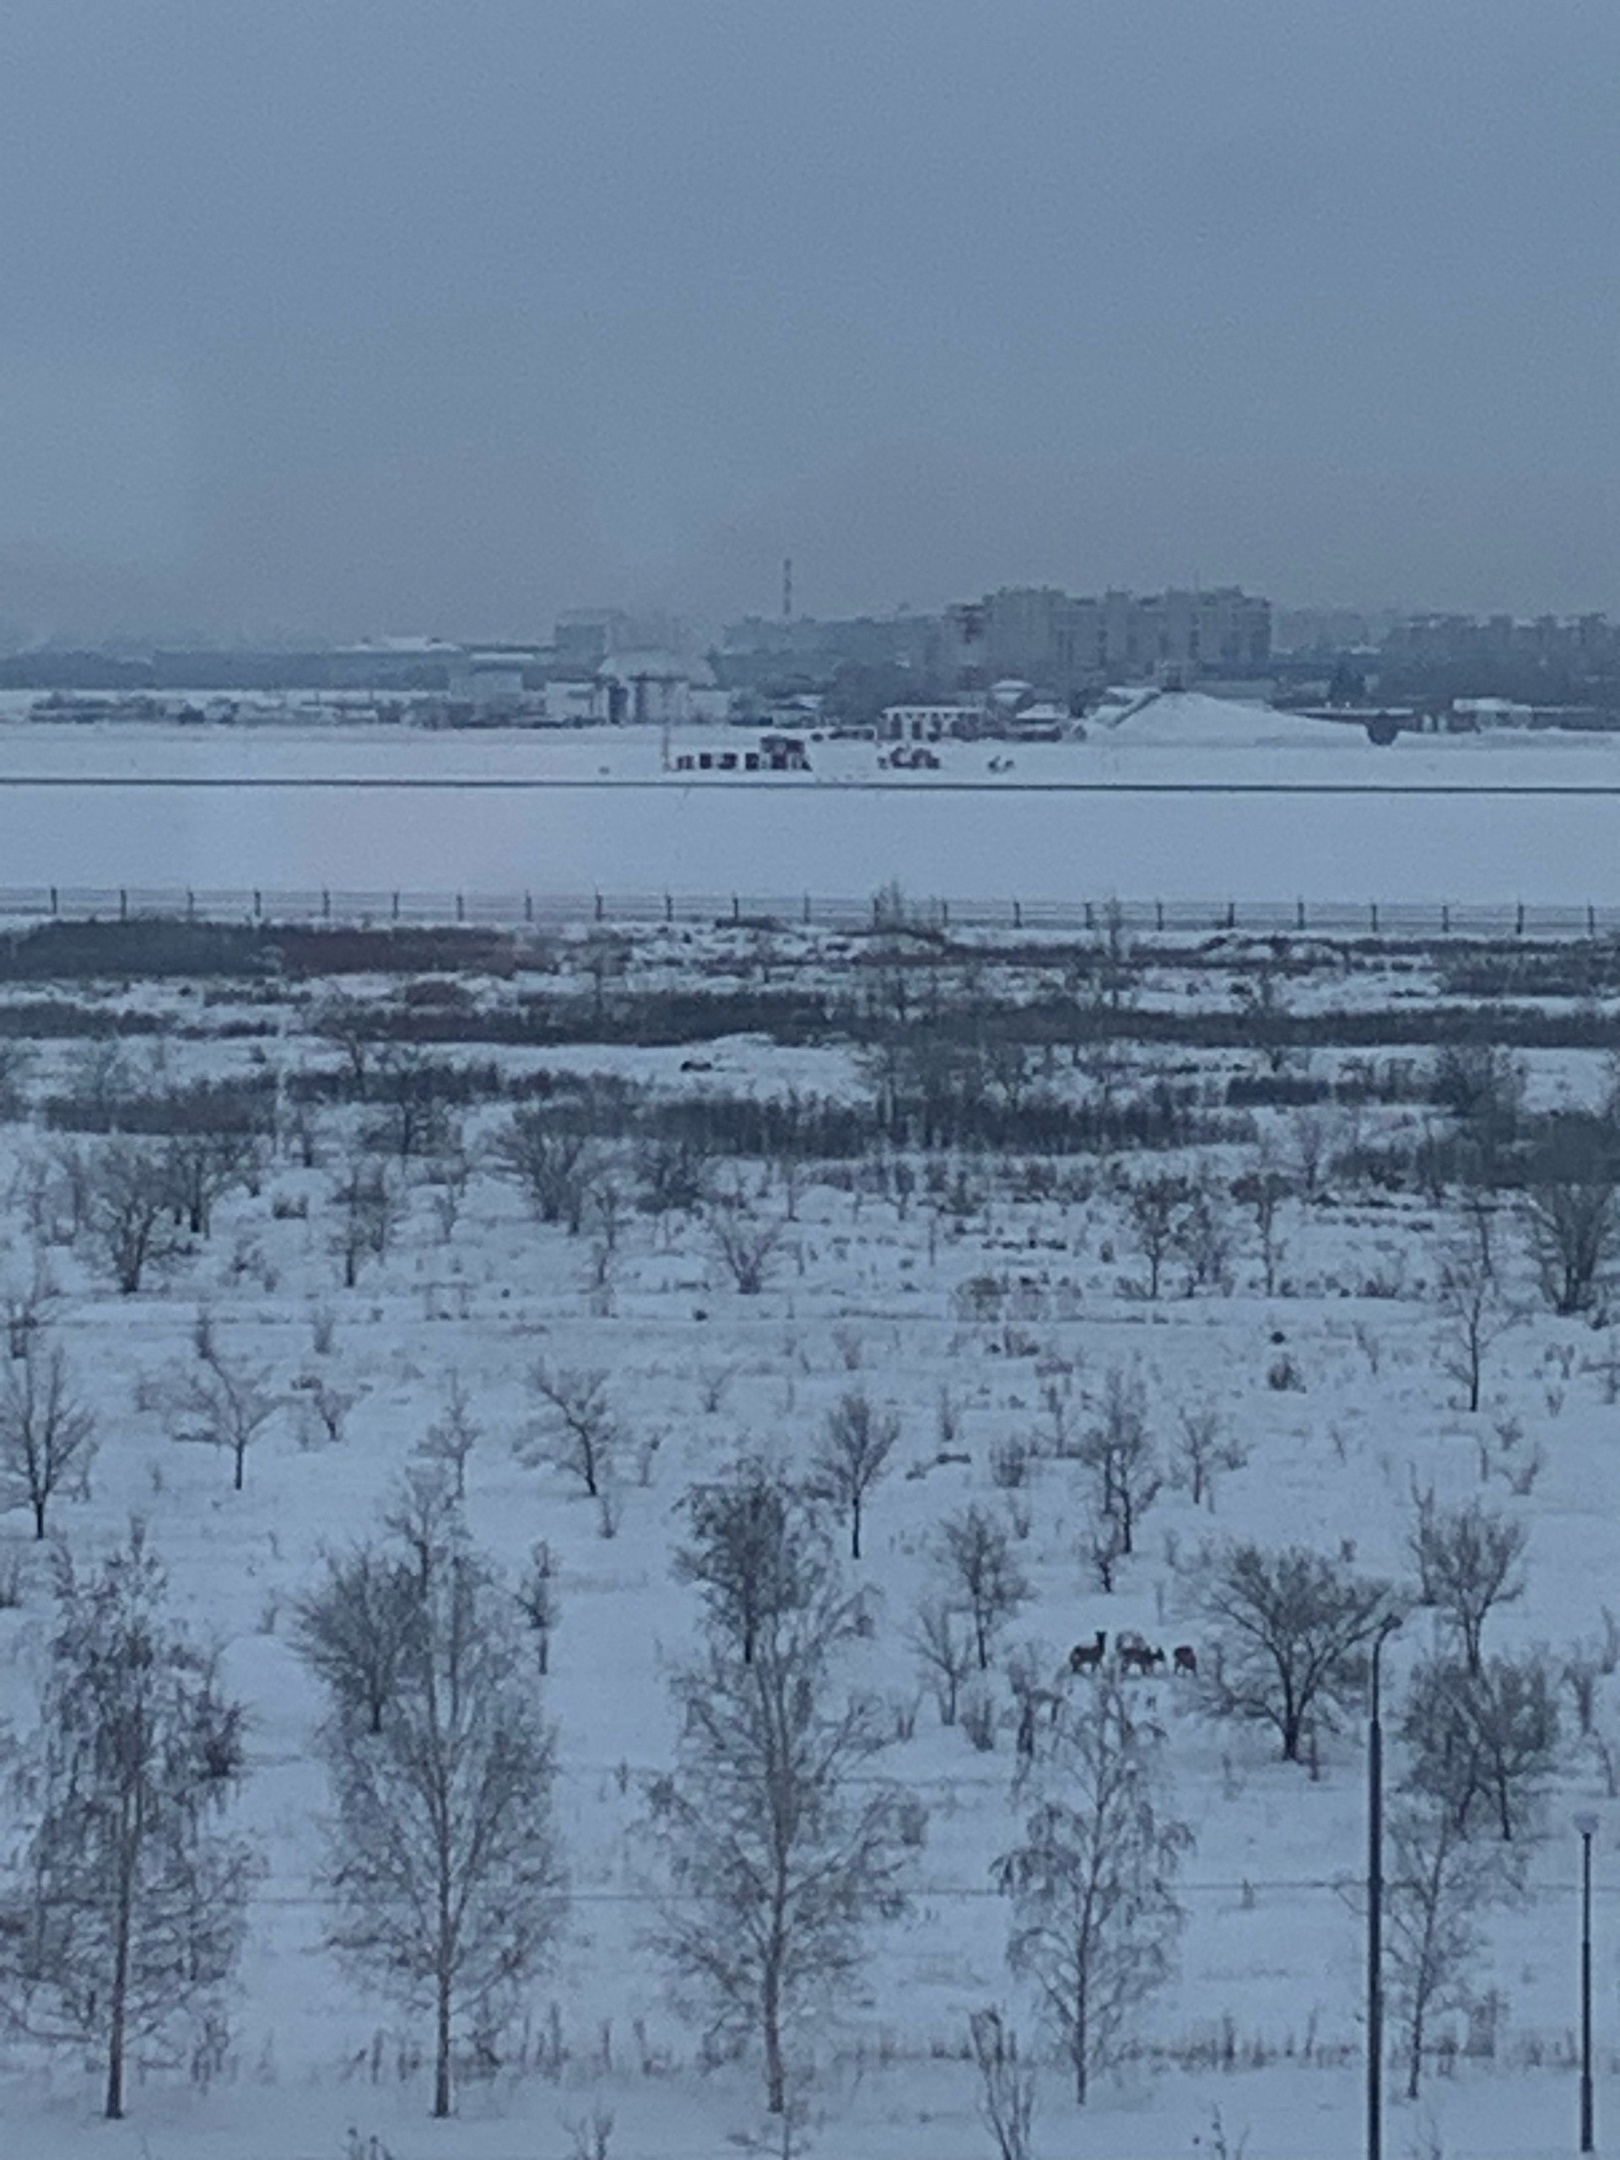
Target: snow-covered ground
[(1001, 1304), (1210, 801)]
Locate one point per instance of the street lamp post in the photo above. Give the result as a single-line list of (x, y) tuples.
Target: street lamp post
[(1586, 1824), (1375, 1902)]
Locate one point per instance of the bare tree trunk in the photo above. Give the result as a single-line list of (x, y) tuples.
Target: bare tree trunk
[(441, 2050), (854, 1530), (775, 2078), (120, 1998)]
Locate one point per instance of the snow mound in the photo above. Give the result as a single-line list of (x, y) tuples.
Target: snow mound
[(1188, 719)]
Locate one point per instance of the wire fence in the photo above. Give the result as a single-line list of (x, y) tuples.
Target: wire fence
[(314, 906)]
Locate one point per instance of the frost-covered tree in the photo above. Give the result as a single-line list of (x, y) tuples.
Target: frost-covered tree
[(1572, 1212), (453, 1435), (130, 1212), (1092, 1881), (778, 1847), (1483, 1740), (1468, 1561), (1292, 1630), (577, 1431), (442, 1859), (47, 1435), (980, 1574), (1117, 1449), (1474, 1312), (856, 1444), (221, 1402), (352, 1628), (130, 1908), (1437, 1889), (755, 1550)]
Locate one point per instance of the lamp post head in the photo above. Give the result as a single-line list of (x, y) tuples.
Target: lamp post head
[(1586, 1822)]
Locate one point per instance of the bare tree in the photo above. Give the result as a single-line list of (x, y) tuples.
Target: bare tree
[(945, 1650), (672, 1175), (223, 1403), (1118, 1451), (130, 1215), (1092, 1883), (1006, 2085), (982, 1577), (202, 1167), (370, 1208), (352, 1629), (1437, 1888), (552, 1162), (1487, 1737), (453, 1435), (442, 1859), (1203, 1450), (413, 1116), (537, 1601), (1262, 1189), (578, 1433), (47, 1435), (1203, 1236), (778, 1847), (1293, 1627), (1474, 1312), (131, 1906), (745, 1244), (856, 1444), (756, 1551), (327, 1407), (1469, 1561), (1153, 1207), (1573, 1224)]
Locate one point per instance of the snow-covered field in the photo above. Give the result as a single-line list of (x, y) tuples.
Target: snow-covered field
[(1190, 800), (1008, 1292)]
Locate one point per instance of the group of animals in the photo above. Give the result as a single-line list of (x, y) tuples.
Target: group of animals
[(1131, 1655)]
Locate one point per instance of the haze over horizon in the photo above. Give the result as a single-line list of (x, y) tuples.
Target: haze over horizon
[(335, 319)]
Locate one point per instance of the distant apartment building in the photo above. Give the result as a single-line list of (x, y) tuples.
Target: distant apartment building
[(1574, 641), (1040, 635)]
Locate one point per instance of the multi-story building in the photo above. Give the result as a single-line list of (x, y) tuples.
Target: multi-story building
[(1040, 635)]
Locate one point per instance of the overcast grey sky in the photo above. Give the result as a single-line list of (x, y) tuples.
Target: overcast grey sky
[(359, 316)]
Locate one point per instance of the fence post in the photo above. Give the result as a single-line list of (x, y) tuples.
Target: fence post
[(807, 907), (669, 907), (528, 907), (1158, 914), (1231, 914), (191, 905), (1300, 915), (1090, 925), (599, 907), (123, 904), (461, 908), (1591, 920), (53, 900), (736, 908), (1445, 918), (1518, 920), (1372, 910), (1018, 916), (326, 904), (944, 914)]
